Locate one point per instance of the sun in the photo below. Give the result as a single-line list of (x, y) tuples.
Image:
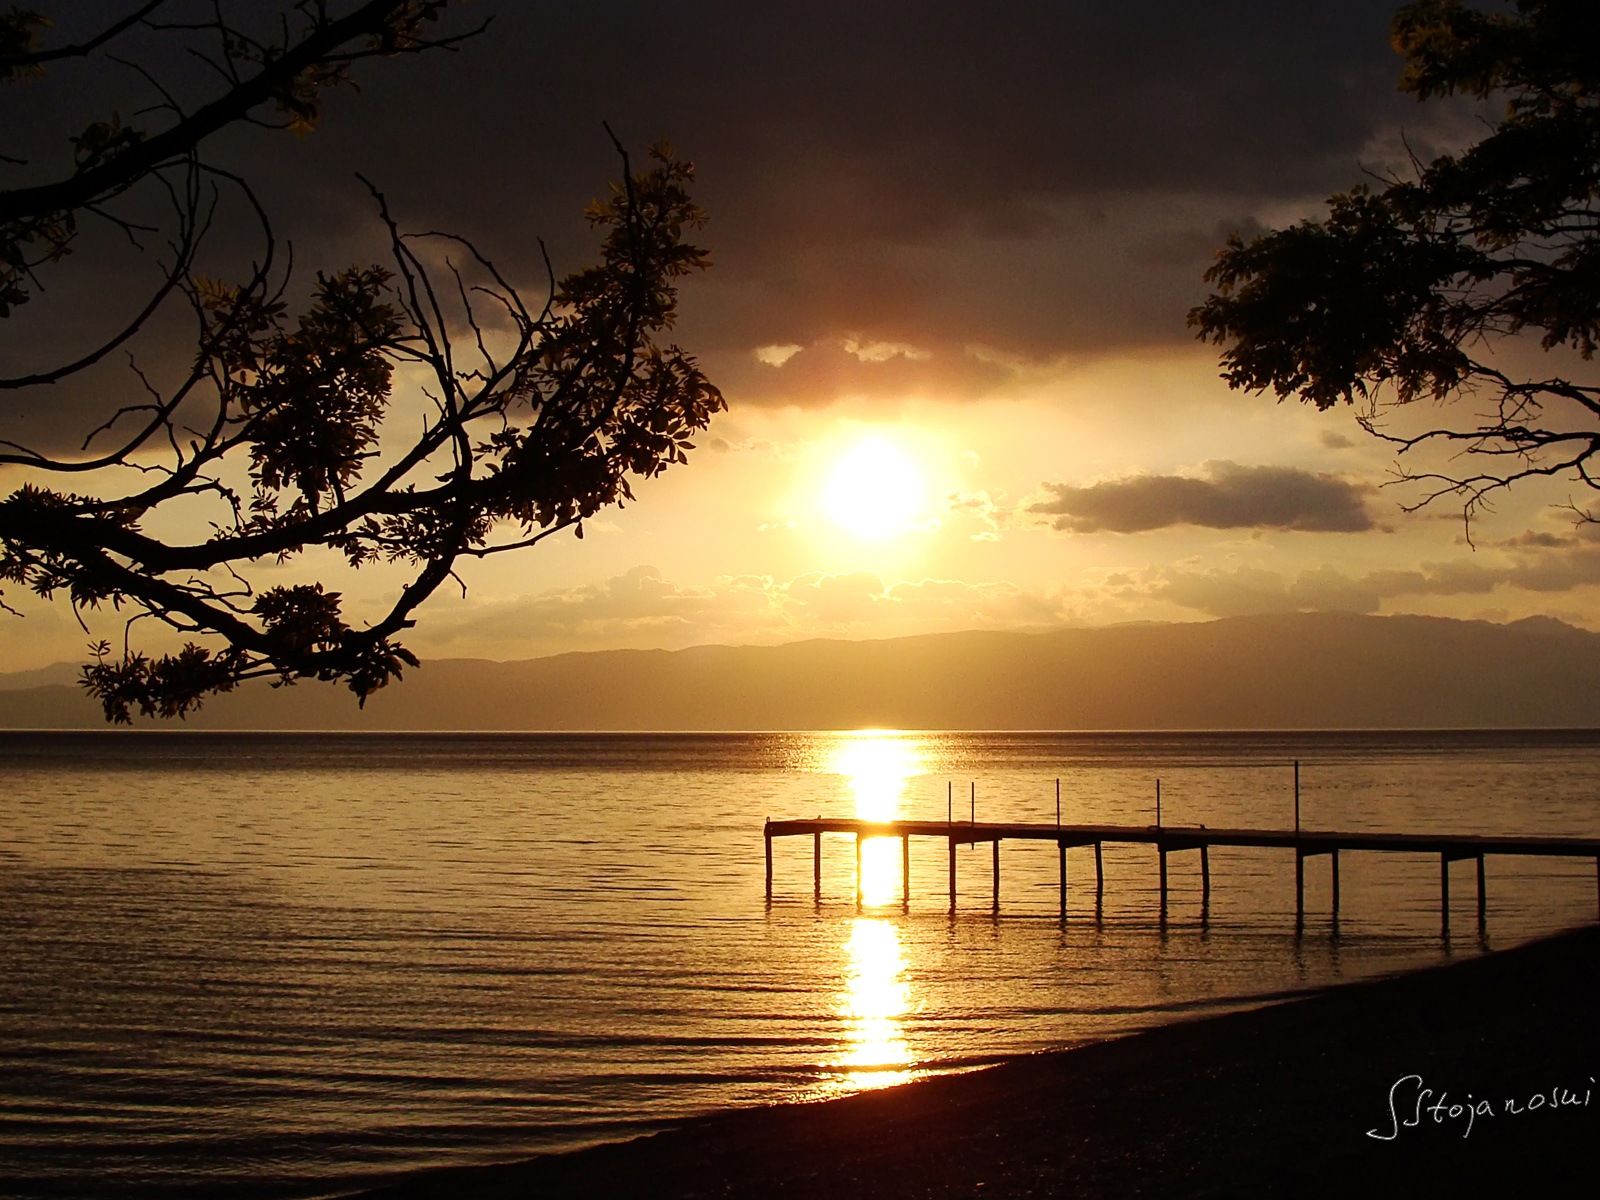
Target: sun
[(874, 490)]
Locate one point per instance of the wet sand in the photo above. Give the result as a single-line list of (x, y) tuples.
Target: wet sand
[(1276, 1101)]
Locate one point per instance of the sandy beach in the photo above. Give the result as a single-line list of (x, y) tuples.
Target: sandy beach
[(1474, 1078)]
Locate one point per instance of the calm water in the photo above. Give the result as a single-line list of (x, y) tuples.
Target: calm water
[(284, 965)]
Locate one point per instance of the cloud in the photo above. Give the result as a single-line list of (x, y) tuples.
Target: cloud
[(1241, 591), (1538, 539), (1193, 247), (863, 598), (1226, 496), (991, 514), (833, 599), (832, 369), (1037, 177), (776, 356), (842, 159), (637, 603), (1575, 533), (641, 608)]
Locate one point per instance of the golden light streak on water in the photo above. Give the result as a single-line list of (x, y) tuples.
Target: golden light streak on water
[(877, 996), (877, 763)]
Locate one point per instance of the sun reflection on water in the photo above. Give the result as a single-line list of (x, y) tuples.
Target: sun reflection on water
[(876, 998), (877, 764)]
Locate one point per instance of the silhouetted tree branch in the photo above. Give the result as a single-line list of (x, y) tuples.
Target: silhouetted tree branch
[(1408, 292), (284, 425)]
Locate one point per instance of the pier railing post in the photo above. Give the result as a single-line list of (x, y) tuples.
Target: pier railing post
[(1335, 857), (952, 873), (1099, 882), (1483, 911), (1297, 796), (1205, 880), (766, 831), (1061, 853), (1444, 893), (1299, 888), (816, 867), (996, 897), (1161, 853)]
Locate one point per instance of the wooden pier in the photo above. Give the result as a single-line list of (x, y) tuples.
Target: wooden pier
[(1170, 839)]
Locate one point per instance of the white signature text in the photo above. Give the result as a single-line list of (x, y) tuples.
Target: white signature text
[(1409, 1106)]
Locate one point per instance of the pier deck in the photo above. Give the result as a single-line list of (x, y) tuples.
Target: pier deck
[(1306, 843)]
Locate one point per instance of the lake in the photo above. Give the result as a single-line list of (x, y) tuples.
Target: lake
[(287, 965)]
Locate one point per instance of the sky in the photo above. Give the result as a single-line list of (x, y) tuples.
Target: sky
[(954, 248)]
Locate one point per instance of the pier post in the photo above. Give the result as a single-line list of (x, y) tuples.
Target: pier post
[(1061, 853), (1335, 857), (1205, 879), (996, 902), (858, 870), (1483, 912), (1444, 892), (1299, 888), (766, 831), (1297, 795), (1161, 853), (1100, 880), (905, 870), (816, 867), (952, 873)]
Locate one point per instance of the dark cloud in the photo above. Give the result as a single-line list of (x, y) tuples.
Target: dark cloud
[(1538, 539), (845, 149), (1038, 177), (1192, 248), (844, 122), (1228, 496), (1579, 533)]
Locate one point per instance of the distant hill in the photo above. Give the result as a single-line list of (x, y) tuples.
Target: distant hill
[(1294, 671)]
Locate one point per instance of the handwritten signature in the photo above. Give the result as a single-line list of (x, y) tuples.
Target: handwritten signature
[(1409, 1096)]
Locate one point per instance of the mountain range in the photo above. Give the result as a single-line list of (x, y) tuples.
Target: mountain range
[(1291, 671)]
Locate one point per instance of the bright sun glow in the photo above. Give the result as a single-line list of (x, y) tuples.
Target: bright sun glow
[(874, 489)]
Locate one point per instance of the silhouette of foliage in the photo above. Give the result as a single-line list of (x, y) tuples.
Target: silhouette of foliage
[(1410, 291), (285, 423)]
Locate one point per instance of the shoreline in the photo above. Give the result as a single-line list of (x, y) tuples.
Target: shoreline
[(1266, 1101)]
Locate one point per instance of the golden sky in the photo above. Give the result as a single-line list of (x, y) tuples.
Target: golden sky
[(953, 255)]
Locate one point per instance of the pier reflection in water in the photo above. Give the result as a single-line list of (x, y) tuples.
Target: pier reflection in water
[(876, 766)]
